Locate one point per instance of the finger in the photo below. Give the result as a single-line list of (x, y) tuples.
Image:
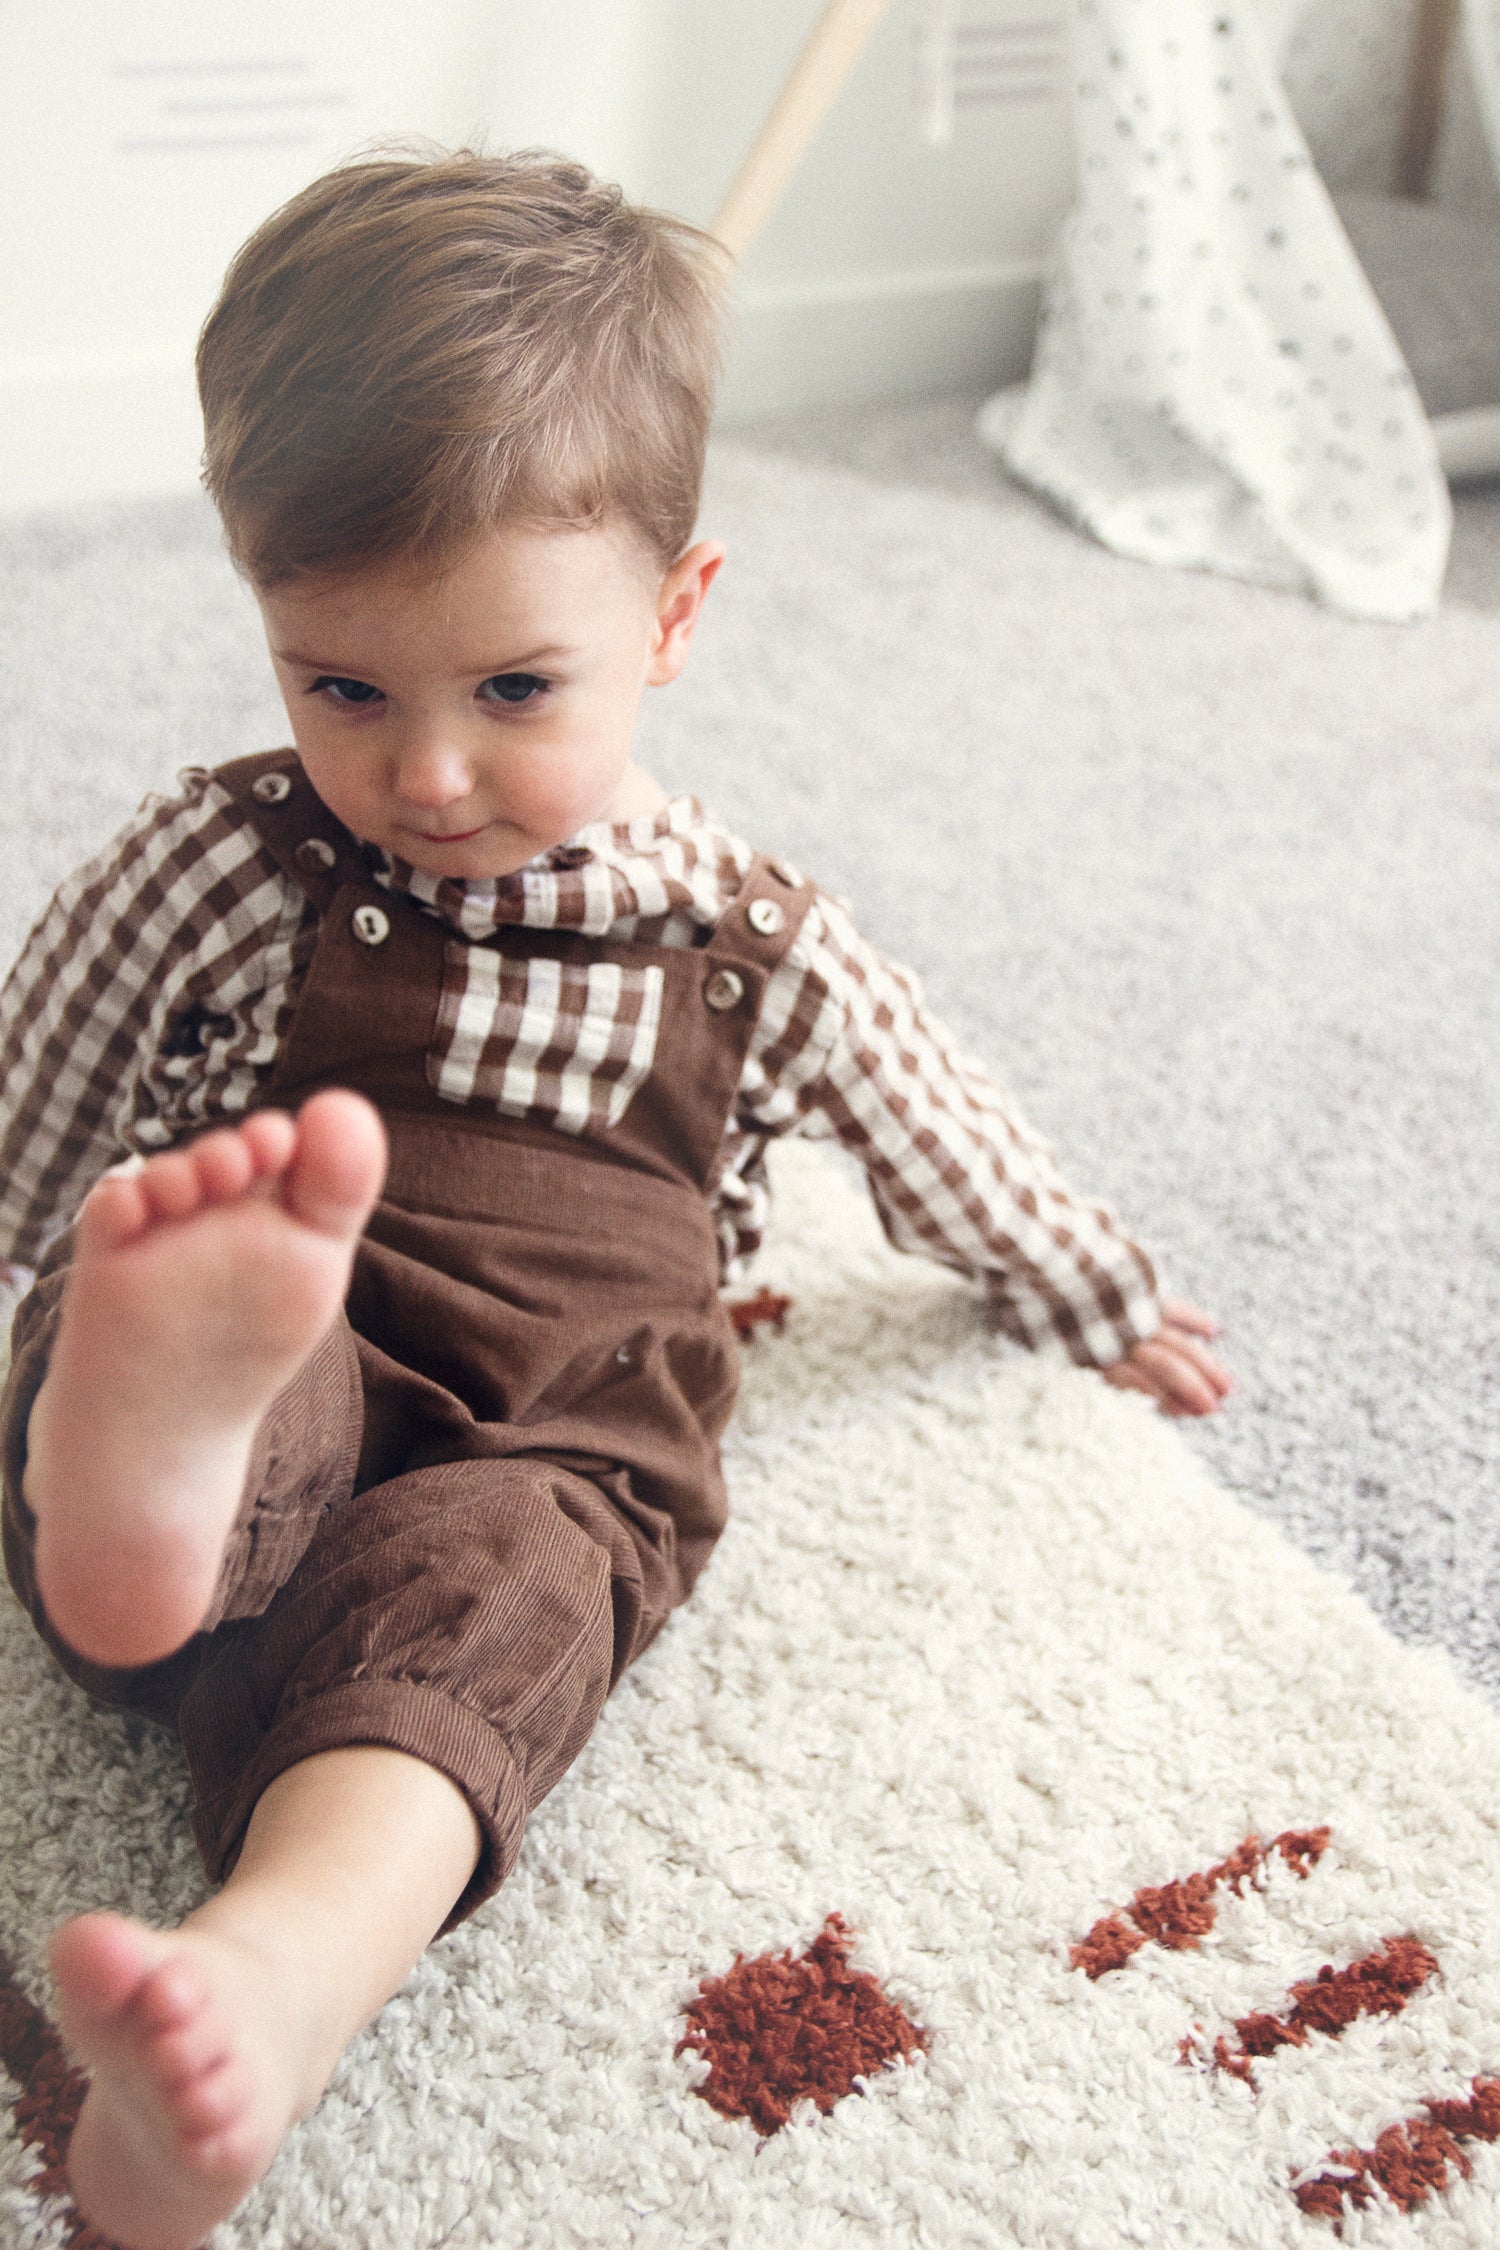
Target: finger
[(1176, 1380), (1193, 1317), (1212, 1370), (1124, 1375)]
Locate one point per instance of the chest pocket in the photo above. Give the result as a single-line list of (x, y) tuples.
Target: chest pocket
[(566, 1041)]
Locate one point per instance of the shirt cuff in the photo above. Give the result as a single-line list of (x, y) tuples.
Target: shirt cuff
[(1041, 1325)]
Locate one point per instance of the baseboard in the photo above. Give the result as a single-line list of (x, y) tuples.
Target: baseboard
[(841, 342), (1469, 444), (124, 425), (112, 425)]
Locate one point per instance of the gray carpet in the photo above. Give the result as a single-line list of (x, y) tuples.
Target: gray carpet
[(932, 443), (1207, 874)]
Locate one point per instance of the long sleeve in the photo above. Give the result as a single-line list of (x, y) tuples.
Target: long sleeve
[(955, 1170), (146, 1001)]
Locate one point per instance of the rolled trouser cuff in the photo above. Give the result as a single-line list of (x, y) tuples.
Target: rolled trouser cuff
[(399, 1715)]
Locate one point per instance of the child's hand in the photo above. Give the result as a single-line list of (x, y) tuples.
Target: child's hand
[(1172, 1366)]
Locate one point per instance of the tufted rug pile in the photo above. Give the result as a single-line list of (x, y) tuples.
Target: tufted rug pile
[(1063, 1856), (1030, 1846)]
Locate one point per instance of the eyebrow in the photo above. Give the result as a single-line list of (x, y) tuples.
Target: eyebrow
[(524, 663)]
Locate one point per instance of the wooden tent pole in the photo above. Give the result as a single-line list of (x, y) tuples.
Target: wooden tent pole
[(1422, 119), (832, 48)]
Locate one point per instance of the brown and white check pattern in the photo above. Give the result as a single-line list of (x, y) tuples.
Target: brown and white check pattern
[(153, 996), (569, 1040)]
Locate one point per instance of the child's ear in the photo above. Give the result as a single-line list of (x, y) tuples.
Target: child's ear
[(678, 602)]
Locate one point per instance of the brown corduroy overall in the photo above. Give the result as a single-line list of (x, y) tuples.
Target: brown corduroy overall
[(486, 1489)]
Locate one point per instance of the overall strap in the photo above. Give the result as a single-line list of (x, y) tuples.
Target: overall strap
[(760, 925), (701, 1053), (368, 1004), (300, 833), (368, 1014)]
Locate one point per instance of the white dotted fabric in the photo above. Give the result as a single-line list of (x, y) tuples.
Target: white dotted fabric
[(1215, 383), (1344, 66)]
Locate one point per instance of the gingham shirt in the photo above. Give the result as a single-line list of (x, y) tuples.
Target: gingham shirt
[(152, 998)]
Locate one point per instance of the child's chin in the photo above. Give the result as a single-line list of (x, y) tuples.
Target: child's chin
[(494, 851)]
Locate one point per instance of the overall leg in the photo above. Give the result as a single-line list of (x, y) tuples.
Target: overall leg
[(364, 1755), (303, 1461), (155, 1381), (468, 1615)]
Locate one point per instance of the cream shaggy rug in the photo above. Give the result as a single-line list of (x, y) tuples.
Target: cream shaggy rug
[(986, 1660)]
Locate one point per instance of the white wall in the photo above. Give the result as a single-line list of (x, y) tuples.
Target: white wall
[(892, 265), (141, 140)]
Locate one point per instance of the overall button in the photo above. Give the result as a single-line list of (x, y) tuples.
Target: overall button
[(370, 924), (272, 788), (785, 874), (315, 854), (764, 916), (724, 989)]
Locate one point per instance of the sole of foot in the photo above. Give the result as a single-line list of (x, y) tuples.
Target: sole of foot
[(199, 1286), (190, 2092)]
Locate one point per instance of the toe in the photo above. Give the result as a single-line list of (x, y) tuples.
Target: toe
[(213, 2105), (225, 1166), (178, 2058), (337, 1170), (99, 1962), (171, 1186), (172, 1998), (115, 1213), (234, 2150), (270, 1135)]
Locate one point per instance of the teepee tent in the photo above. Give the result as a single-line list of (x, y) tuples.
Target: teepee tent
[(1234, 371), (1218, 380)]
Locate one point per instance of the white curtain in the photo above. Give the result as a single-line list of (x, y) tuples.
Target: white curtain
[(1215, 383)]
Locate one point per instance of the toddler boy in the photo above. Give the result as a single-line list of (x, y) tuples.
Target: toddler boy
[(368, 1427)]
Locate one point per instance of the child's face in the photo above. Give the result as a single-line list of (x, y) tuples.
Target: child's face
[(470, 721)]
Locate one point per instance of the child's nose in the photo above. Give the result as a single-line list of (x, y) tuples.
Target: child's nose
[(432, 772)]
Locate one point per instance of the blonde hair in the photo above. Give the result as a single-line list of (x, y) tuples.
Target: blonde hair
[(424, 343)]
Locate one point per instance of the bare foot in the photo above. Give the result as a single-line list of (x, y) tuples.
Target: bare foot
[(198, 1289), (187, 2038)]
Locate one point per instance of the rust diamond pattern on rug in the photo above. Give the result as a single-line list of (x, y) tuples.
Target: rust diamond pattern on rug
[(1178, 1914), (784, 2028), (1409, 2162), (1412, 2160), (47, 2109)]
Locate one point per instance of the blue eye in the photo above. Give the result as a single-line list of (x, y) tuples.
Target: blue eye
[(344, 691), (516, 687)]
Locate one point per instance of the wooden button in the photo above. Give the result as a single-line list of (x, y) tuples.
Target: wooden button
[(370, 924), (724, 989), (764, 916)]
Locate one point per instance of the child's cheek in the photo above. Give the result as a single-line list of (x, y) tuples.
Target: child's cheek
[(565, 783)]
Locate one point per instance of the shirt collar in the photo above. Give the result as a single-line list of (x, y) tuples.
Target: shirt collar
[(582, 884)]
